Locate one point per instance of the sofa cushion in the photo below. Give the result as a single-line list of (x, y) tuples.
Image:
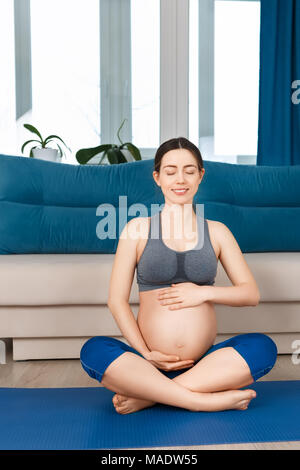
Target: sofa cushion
[(83, 279), (49, 207)]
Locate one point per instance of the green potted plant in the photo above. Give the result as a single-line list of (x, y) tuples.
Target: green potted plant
[(42, 150), (114, 153)]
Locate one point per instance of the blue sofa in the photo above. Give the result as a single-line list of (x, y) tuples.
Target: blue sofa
[(55, 267), (51, 207)]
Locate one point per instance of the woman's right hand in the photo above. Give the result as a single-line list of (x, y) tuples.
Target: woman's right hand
[(167, 362)]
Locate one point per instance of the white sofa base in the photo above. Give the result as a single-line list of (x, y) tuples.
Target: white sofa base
[(51, 303), (69, 348)]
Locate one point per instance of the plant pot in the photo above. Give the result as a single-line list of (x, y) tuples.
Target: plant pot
[(46, 154)]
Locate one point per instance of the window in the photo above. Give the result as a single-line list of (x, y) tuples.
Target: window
[(96, 63), (66, 70), (228, 55), (237, 25), (86, 77), (7, 80)]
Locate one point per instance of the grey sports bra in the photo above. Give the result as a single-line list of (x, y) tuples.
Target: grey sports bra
[(161, 266)]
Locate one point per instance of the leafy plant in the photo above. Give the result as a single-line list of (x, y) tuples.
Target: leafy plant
[(43, 143), (111, 151)]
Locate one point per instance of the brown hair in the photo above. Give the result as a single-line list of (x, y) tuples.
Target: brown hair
[(177, 143)]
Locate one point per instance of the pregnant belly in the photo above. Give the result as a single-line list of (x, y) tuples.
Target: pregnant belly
[(186, 332)]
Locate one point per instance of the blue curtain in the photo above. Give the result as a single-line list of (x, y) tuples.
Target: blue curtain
[(279, 116)]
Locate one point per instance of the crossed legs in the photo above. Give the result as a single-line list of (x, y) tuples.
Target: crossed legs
[(210, 385)]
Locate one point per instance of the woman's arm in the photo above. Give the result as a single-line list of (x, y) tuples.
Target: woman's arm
[(120, 286), (236, 296), (244, 290), (127, 323)]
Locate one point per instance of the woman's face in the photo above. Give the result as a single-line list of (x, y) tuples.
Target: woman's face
[(179, 170)]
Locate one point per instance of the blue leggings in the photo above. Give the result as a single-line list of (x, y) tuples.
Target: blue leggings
[(258, 350)]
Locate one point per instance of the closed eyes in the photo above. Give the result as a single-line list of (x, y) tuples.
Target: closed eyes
[(187, 172)]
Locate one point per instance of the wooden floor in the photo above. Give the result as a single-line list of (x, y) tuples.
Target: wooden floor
[(69, 373)]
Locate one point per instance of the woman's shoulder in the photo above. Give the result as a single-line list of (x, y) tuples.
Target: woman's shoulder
[(218, 232), (219, 229), (215, 225), (138, 227), (138, 221)]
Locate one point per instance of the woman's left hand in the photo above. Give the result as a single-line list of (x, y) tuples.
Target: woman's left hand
[(182, 295)]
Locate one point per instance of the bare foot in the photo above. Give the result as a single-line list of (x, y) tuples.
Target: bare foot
[(228, 400), (125, 405), (208, 401)]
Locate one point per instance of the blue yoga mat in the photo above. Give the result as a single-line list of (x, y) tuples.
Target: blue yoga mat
[(84, 418)]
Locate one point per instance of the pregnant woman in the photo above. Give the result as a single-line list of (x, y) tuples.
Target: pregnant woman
[(172, 358)]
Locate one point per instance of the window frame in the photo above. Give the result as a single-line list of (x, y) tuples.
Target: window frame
[(23, 78), (116, 99)]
